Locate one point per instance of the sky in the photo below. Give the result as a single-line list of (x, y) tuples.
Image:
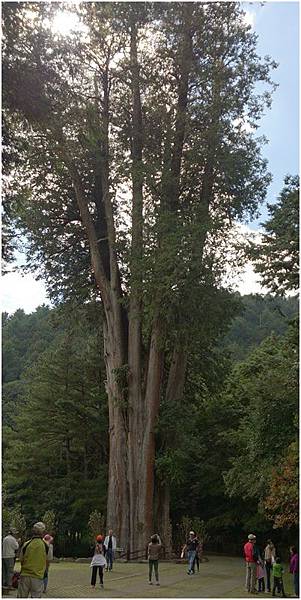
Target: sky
[(277, 27), (276, 24)]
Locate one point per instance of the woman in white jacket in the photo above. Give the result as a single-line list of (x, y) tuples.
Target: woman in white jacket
[(110, 544)]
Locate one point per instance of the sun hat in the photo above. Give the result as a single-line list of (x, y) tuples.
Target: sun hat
[(39, 527)]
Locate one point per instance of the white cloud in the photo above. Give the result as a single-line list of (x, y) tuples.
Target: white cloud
[(249, 18), (248, 282), (19, 291)]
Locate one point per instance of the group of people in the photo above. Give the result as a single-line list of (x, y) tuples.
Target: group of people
[(103, 557), (261, 569), (35, 557)]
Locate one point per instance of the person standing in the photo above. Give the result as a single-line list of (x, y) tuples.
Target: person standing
[(9, 548), (192, 545), (48, 539), (110, 544), (251, 563), (269, 559), (154, 548), (278, 577), (260, 573), (98, 563), (294, 568), (34, 563)]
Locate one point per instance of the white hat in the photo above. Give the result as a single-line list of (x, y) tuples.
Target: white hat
[(191, 532), (13, 530), (251, 536)]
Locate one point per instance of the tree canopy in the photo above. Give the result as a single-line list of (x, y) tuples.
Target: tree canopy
[(277, 256)]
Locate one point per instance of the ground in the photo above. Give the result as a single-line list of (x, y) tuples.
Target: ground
[(220, 577)]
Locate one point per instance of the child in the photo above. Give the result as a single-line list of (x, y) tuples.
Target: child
[(48, 539), (260, 573), (154, 548), (98, 562), (278, 579)]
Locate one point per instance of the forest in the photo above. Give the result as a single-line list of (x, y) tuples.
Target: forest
[(55, 423), (151, 392)]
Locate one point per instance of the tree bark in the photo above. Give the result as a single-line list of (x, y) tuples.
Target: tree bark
[(136, 404)]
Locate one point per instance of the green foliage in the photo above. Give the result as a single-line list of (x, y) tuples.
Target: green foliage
[(61, 424), (96, 524), (260, 317), (277, 257), (58, 78), (50, 520), (15, 518), (265, 387)]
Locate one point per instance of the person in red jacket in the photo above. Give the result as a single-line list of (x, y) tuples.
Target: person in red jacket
[(251, 562)]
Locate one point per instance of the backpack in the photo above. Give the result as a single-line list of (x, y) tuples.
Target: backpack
[(15, 579)]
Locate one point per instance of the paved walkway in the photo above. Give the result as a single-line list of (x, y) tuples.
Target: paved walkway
[(221, 577)]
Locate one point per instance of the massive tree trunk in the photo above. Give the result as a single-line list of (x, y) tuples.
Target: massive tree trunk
[(134, 409)]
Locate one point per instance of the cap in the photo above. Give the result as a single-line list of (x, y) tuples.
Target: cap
[(251, 536), (39, 527), (13, 530), (191, 532)]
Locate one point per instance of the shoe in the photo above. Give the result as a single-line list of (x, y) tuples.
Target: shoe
[(101, 585), (149, 583), (93, 586), (157, 583)]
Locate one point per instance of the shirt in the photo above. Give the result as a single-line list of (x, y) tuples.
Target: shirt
[(277, 570), (33, 557), (9, 546), (248, 552), (106, 542), (294, 563), (98, 560), (192, 544), (269, 553), (260, 572), (154, 551)]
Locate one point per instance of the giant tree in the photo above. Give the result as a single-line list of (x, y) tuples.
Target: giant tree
[(139, 162)]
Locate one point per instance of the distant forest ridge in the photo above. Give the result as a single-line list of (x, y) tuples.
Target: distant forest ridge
[(26, 336)]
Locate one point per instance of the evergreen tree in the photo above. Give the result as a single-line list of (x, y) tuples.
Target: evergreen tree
[(147, 163), (277, 257), (57, 453)]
